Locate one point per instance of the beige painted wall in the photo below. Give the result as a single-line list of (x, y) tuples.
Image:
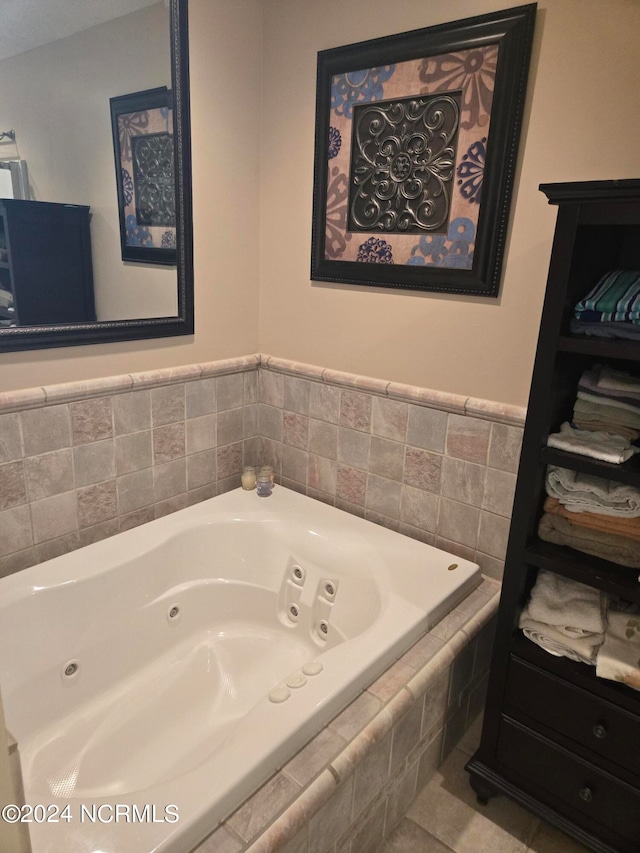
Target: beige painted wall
[(63, 131), (225, 74), (582, 122)]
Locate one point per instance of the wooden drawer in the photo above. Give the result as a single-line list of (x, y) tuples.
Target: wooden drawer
[(571, 786), (599, 726)]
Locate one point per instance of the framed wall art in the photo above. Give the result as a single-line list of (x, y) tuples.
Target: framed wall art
[(142, 126), (415, 154)]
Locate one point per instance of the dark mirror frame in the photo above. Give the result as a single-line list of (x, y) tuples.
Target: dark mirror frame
[(75, 334)]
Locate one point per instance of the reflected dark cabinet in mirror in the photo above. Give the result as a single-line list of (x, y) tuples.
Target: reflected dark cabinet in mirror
[(41, 325), (560, 736), (46, 274)]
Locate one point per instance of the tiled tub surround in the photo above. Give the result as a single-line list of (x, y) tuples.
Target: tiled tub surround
[(352, 784), (84, 460), (438, 467)]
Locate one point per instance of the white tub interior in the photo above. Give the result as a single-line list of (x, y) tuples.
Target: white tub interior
[(139, 669)]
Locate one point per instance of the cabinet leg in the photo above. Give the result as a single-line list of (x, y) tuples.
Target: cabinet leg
[(484, 790)]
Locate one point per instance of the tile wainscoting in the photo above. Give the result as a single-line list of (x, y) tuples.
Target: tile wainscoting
[(85, 460)]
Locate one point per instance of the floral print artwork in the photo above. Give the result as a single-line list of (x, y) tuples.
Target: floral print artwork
[(445, 238)]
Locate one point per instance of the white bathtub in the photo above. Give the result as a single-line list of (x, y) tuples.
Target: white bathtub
[(139, 670)]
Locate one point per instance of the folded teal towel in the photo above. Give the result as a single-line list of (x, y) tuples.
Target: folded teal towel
[(616, 297)]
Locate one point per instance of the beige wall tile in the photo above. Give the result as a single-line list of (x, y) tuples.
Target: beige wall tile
[(323, 438), (324, 402), (351, 485), (91, 420), (135, 491), (271, 388), (427, 428), (46, 429), (504, 447), (462, 481), (406, 734), (229, 391), (389, 419), (133, 452), (333, 819), (250, 387), (355, 410), (97, 503), (201, 469), (200, 433), (322, 474), (422, 469), (295, 430), (49, 474), (13, 490), (230, 426), (229, 460), (10, 438), (55, 516), (167, 404), (296, 394), (493, 535), (136, 518), (383, 496), (353, 448), (372, 774), (168, 442), (15, 530), (132, 412), (258, 812), (200, 397), (458, 522), (95, 462), (56, 547), (270, 421), (295, 463), (468, 438), (249, 420), (499, 490), (19, 560), (170, 505), (419, 508), (169, 479), (386, 458), (271, 454)]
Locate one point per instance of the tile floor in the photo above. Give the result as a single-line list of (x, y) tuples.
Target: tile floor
[(445, 817)]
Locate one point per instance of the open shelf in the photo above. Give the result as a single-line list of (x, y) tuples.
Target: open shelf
[(601, 574), (628, 472), (601, 347)]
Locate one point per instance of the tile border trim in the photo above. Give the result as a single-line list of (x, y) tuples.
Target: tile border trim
[(50, 395), (489, 410)]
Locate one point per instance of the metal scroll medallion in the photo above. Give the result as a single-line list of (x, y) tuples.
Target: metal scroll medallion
[(403, 157), (153, 179)]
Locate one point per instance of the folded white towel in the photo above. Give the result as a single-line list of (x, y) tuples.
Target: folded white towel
[(619, 656), (610, 401), (617, 380), (573, 608), (597, 445), (585, 493), (582, 649)]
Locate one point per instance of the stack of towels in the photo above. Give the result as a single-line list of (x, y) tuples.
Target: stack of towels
[(565, 618), (570, 619), (592, 515), (606, 417), (612, 308)]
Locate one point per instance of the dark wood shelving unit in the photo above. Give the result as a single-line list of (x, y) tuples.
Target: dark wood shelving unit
[(556, 738), (49, 270)]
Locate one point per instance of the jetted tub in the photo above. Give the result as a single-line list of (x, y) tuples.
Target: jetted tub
[(178, 665)]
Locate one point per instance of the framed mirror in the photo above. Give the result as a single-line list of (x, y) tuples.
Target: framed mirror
[(63, 280)]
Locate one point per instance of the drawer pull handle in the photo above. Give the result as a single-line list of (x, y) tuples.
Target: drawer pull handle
[(600, 731), (586, 794)]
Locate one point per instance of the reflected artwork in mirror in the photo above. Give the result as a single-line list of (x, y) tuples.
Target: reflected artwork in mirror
[(63, 278)]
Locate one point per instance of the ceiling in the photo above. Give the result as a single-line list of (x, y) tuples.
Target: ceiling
[(25, 24)]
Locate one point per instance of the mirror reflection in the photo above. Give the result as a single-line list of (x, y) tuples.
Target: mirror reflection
[(60, 241)]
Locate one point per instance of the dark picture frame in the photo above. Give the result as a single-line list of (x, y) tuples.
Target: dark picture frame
[(143, 145), (415, 154)]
